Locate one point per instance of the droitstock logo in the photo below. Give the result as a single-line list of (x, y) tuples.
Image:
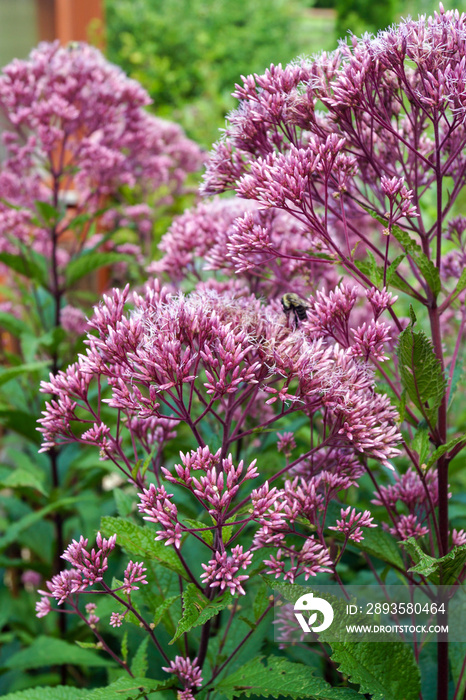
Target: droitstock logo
[(309, 605)]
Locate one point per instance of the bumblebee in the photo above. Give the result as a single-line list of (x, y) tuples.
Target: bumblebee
[(291, 303)]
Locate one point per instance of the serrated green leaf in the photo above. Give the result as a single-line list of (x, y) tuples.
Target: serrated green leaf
[(58, 692), (140, 541), (422, 262), (140, 663), (443, 449), (197, 609), (261, 601), (365, 663), (420, 259), (45, 651), (444, 570), (126, 688), (87, 263), (280, 678), (421, 373)]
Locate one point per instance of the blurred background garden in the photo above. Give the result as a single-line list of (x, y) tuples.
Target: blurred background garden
[(188, 54)]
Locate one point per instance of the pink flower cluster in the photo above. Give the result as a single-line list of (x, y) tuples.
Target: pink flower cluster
[(75, 131), (188, 672), (88, 570), (418, 492), (221, 350), (234, 236)]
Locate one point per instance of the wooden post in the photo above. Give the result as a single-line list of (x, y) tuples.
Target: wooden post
[(68, 20)]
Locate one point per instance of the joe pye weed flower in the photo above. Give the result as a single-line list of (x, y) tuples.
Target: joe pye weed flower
[(348, 170)]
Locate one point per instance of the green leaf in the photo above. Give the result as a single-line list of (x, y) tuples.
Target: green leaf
[(443, 449), (124, 502), (386, 671), (23, 478), (197, 609), (456, 656), (380, 544), (124, 640), (457, 378), (163, 607), (16, 528), (140, 663), (14, 325), (59, 692), (47, 212), (126, 688), (47, 651), (365, 662), (444, 570), (140, 541), (421, 372), (281, 678), (20, 422), (24, 266), (376, 275), (422, 262), (207, 535), (89, 645), (421, 444), (460, 285), (392, 268), (261, 601), (12, 372), (87, 263)]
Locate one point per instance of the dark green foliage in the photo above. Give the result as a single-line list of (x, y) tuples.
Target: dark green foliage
[(360, 16)]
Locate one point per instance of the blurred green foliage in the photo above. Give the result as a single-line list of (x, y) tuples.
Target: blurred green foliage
[(189, 54), (359, 16)]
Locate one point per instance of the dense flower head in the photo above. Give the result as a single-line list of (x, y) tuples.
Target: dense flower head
[(418, 494), (88, 570), (187, 671), (216, 347), (222, 570), (329, 138), (231, 235), (76, 129), (411, 489), (351, 523), (92, 565)]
